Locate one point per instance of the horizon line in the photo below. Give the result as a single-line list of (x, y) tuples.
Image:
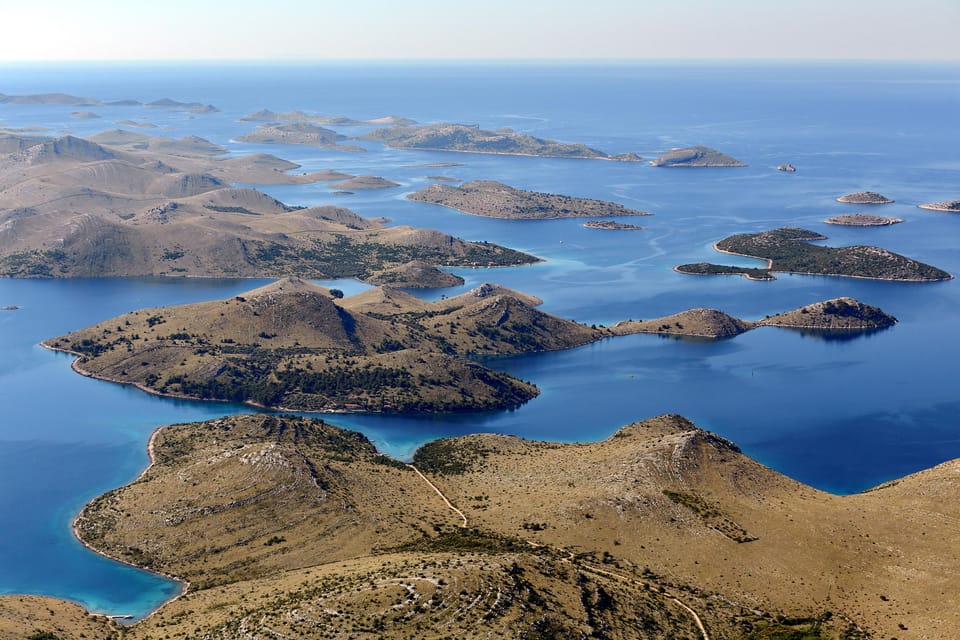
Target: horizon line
[(491, 61)]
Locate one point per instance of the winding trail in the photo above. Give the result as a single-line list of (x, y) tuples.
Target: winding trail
[(589, 567), (442, 497), (669, 596)]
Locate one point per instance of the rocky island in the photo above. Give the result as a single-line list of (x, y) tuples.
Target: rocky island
[(432, 165), (473, 139), (74, 208), (265, 115), (951, 206), (363, 183), (863, 220), (80, 101), (176, 105), (663, 530), (864, 197), (698, 156), (299, 133), (296, 346), (789, 250), (48, 98), (139, 124), (611, 225), (497, 200)]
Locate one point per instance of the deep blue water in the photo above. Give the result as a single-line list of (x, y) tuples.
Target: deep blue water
[(842, 415)]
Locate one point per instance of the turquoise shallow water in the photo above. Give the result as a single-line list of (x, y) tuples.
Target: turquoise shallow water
[(842, 415)]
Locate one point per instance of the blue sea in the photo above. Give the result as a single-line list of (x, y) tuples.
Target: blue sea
[(840, 414)]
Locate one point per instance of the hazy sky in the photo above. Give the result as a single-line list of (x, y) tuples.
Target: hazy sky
[(492, 29)]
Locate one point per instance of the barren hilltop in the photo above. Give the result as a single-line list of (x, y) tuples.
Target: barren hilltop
[(292, 526), (146, 205)]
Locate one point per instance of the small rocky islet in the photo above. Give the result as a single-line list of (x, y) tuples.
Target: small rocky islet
[(864, 197), (698, 156), (862, 220), (611, 225)]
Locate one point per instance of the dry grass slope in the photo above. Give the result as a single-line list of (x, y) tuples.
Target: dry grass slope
[(287, 526)]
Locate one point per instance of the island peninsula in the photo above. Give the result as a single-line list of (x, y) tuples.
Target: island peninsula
[(144, 205), (663, 530), (294, 345), (473, 139), (789, 250), (496, 200), (844, 314)]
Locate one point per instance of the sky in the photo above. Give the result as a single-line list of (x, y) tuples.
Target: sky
[(56, 30)]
